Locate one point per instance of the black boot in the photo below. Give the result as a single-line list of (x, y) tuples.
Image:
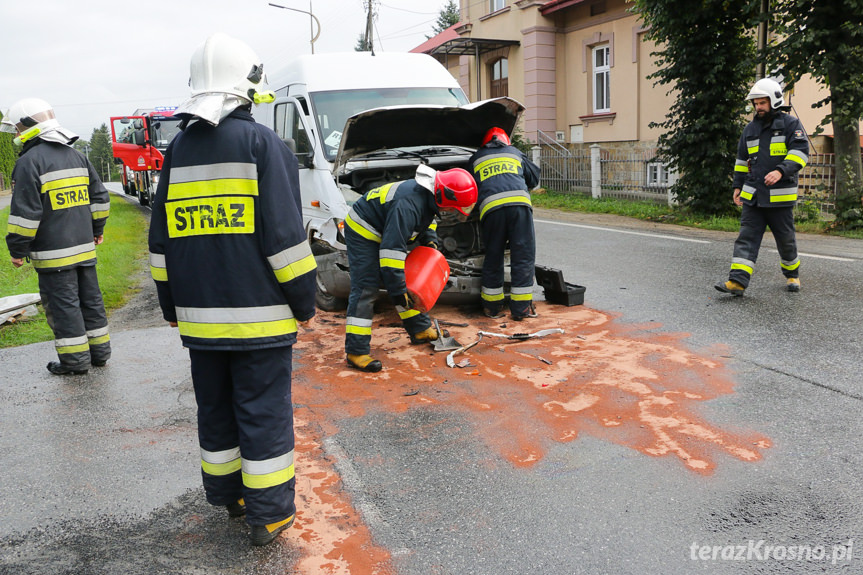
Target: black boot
[(58, 368)]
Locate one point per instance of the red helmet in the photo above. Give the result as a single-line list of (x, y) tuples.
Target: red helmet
[(455, 188), (496, 133)]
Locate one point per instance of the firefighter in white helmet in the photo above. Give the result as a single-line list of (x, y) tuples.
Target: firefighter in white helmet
[(56, 219), (235, 273), (772, 150)]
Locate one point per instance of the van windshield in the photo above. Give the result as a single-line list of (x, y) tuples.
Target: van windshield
[(334, 108)]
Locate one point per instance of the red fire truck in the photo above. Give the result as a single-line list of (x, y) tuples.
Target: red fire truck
[(139, 142)]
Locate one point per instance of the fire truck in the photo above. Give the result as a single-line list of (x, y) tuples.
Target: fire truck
[(139, 142)]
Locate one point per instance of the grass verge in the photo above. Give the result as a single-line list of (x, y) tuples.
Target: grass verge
[(653, 212), (118, 259)]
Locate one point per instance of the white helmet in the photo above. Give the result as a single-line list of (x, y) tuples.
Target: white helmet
[(767, 88), (226, 65), (34, 117)]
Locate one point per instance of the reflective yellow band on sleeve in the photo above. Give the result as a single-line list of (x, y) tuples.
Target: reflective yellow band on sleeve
[(26, 232), (296, 269), (159, 274), (100, 215), (744, 169), (796, 159)]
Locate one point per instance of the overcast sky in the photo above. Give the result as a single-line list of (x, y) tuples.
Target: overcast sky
[(92, 59)]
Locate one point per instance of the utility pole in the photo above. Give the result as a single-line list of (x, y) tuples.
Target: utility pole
[(760, 70), (370, 31)]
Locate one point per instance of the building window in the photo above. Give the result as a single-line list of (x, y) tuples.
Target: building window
[(500, 78), (601, 80), (495, 5)]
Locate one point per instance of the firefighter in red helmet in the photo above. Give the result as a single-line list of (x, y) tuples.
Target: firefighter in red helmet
[(504, 177), (380, 226)]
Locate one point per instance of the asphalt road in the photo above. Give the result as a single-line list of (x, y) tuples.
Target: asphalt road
[(676, 430)]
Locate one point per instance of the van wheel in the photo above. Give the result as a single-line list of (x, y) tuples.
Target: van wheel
[(143, 197), (327, 301)]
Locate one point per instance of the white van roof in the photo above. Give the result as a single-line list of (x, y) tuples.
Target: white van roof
[(362, 70)]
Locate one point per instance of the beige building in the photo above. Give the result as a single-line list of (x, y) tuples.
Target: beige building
[(580, 67)]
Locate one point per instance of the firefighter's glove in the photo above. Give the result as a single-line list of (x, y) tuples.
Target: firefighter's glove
[(405, 301), (432, 245)]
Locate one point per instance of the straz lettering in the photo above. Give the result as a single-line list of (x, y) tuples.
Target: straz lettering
[(69, 198), (497, 167), (208, 216)]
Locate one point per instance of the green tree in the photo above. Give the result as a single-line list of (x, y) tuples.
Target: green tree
[(825, 39), (101, 155), (706, 55), (8, 155), (362, 44), (448, 16)]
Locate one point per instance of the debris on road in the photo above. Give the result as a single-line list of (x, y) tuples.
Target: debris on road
[(449, 359), (523, 336)]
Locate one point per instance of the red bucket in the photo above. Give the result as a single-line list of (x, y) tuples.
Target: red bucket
[(426, 274)]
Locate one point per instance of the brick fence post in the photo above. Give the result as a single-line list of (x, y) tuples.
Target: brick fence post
[(595, 172)]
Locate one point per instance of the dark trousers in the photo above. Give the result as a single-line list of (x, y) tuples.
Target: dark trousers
[(753, 222), (76, 314), (244, 407), (364, 261), (512, 226)]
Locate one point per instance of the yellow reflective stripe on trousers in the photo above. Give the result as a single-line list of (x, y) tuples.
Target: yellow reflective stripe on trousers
[(158, 269), (742, 264), (268, 472), (64, 256), (790, 265), (221, 462), (521, 293), (71, 344), (236, 323), (362, 227), (492, 294), (293, 262), (359, 326)]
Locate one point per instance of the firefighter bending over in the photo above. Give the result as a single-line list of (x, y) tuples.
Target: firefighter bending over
[(379, 227), (235, 273)]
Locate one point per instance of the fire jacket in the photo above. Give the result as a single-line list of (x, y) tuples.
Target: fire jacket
[(503, 176), (779, 143), (228, 251), (394, 215), (58, 207)]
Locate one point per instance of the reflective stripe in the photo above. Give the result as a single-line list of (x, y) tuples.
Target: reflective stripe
[(752, 146), (521, 293), (790, 265), (220, 462), (64, 174), (492, 294), (741, 166), (798, 157), (293, 262), (393, 259), (747, 192), (98, 332), (236, 323), (158, 270), (433, 226), (229, 178), (501, 198), (359, 326), (268, 472), (64, 257), (778, 148), (72, 344), (100, 211), (384, 193), (783, 195), (99, 340), (405, 313), (22, 226), (742, 264), (362, 227)]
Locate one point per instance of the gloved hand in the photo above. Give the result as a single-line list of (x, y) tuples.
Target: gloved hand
[(432, 245), (405, 301)]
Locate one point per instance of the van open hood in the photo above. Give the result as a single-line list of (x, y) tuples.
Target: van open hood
[(407, 126)]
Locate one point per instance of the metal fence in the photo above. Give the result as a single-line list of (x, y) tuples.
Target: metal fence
[(641, 174)]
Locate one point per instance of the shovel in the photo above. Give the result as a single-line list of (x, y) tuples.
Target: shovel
[(444, 342)]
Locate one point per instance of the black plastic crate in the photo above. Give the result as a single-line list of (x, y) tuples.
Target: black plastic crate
[(573, 295)]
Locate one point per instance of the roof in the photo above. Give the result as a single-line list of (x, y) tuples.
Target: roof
[(435, 41), (471, 46)]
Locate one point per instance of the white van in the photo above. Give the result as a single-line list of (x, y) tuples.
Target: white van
[(356, 121)]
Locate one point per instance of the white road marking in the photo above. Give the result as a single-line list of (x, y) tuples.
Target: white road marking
[(662, 236), (803, 254)]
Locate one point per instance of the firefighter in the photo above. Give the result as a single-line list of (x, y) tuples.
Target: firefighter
[(772, 150), (56, 219), (504, 177), (380, 225), (234, 272)]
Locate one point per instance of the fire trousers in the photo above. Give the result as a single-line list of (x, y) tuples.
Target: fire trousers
[(753, 222), (513, 226), (76, 314), (246, 429)]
